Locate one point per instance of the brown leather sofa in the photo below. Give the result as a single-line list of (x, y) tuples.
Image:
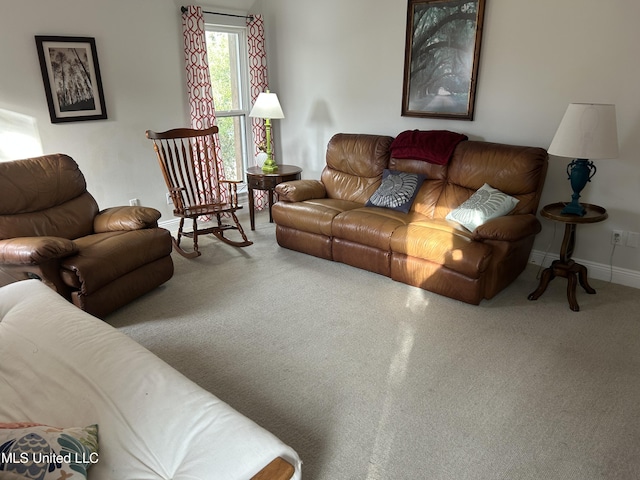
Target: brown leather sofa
[(328, 217), (51, 229)]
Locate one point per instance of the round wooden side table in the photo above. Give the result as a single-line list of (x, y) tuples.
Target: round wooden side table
[(565, 266), (259, 180)]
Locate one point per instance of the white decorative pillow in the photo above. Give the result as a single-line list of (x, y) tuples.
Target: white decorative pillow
[(486, 203), (31, 450)]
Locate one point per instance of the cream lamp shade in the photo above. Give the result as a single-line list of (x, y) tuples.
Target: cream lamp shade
[(267, 106), (587, 130)]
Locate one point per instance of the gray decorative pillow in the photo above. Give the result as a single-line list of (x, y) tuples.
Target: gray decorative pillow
[(486, 203), (397, 191)]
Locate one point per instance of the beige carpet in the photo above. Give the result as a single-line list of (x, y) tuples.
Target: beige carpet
[(370, 379)]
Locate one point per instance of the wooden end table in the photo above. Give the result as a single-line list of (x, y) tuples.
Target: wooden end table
[(259, 180), (565, 266)]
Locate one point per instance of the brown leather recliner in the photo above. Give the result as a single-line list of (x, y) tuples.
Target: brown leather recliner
[(51, 228)]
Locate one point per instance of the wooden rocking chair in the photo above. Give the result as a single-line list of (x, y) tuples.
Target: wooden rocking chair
[(189, 165)]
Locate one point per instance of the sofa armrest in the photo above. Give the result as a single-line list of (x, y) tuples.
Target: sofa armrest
[(509, 228), (300, 190), (35, 250), (125, 218)]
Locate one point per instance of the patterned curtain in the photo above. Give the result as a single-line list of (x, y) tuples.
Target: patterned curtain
[(203, 114), (258, 83)]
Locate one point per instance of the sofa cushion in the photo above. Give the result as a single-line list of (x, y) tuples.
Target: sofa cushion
[(371, 226), (311, 216), (486, 203), (442, 243), (104, 257), (69, 220), (354, 166), (49, 453), (397, 190), (25, 185), (515, 170)]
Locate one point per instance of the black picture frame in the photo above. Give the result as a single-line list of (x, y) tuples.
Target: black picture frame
[(442, 53), (71, 77)]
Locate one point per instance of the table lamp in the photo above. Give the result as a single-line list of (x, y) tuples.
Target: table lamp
[(587, 131), (268, 107)]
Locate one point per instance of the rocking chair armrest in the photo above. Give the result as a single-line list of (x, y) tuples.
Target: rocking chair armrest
[(35, 250), (125, 218)]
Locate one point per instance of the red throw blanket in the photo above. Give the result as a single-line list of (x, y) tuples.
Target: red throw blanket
[(433, 146)]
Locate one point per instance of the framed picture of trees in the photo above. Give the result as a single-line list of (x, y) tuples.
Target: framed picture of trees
[(71, 78), (441, 58)]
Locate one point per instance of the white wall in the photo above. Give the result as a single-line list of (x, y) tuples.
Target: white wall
[(337, 67), (140, 57)]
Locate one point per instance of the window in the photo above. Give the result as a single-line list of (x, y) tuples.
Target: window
[(227, 56)]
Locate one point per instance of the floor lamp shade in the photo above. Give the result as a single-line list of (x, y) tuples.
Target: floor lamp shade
[(587, 132)]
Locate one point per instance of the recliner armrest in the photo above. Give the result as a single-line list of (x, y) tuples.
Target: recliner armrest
[(125, 218), (509, 228), (300, 190), (35, 250)]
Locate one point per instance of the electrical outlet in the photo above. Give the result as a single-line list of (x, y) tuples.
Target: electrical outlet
[(134, 202), (169, 200), (616, 237), (632, 239)]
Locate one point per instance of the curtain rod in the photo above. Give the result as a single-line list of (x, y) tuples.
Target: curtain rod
[(184, 9)]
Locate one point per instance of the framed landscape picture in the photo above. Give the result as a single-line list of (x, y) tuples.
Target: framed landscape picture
[(441, 58), (71, 78)]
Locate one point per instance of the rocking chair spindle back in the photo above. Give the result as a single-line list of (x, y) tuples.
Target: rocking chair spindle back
[(197, 186)]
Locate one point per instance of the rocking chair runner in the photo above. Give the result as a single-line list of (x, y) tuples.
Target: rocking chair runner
[(189, 165)]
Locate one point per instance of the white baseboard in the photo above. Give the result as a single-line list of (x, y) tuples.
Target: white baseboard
[(621, 276), (171, 225)]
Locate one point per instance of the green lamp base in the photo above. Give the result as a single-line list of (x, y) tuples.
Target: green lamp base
[(270, 166)]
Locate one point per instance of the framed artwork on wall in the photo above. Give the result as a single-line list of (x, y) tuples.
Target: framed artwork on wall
[(71, 77), (442, 53)]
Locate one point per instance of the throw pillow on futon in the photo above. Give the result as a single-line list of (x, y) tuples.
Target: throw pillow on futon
[(31, 450), (397, 191)]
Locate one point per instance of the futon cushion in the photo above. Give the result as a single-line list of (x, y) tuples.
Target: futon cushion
[(486, 203), (397, 190), (31, 450)]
